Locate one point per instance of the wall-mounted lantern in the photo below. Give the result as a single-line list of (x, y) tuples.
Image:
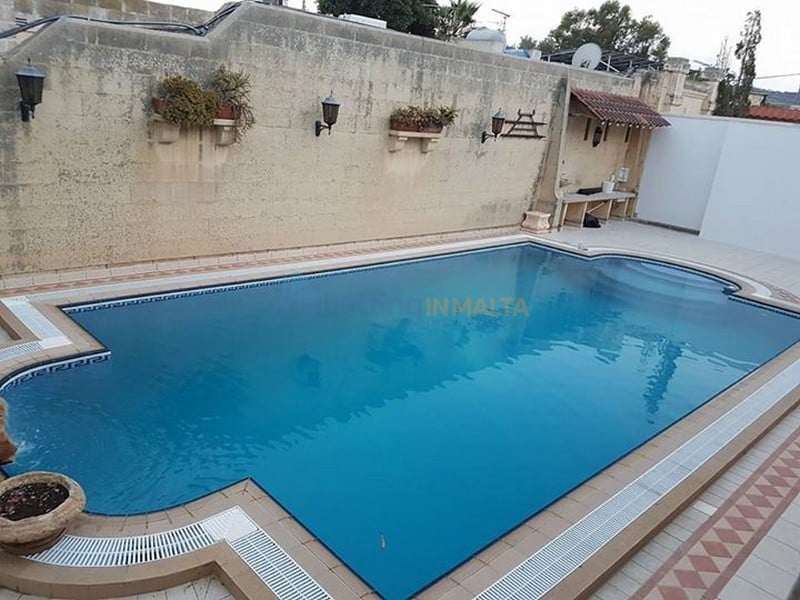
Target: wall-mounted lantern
[(498, 120), (31, 83), (597, 136), (330, 112)]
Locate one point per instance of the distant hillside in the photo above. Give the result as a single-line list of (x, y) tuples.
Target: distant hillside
[(775, 98)]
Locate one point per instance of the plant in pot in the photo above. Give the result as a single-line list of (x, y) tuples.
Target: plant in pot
[(233, 90), (428, 119), (35, 510), (182, 101), (406, 118), (436, 119)]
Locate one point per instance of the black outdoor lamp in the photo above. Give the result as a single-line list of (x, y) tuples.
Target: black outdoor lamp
[(330, 112), (498, 120), (31, 82)]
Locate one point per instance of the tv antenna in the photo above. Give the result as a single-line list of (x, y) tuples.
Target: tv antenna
[(587, 56), (505, 18)]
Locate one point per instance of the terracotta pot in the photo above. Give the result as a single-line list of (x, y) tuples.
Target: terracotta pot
[(37, 534), (226, 111), (395, 126), (431, 129), (159, 105)]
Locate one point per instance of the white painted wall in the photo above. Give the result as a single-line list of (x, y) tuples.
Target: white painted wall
[(679, 171), (734, 180), (755, 199)]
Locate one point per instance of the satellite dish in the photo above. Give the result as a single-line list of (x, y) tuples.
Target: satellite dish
[(587, 56)]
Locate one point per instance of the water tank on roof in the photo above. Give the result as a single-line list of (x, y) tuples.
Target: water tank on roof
[(362, 20), (483, 38)]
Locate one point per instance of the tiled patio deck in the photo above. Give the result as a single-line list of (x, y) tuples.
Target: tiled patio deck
[(740, 540), (208, 588), (472, 577), (766, 268)]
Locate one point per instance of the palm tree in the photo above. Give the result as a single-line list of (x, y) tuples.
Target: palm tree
[(457, 19)]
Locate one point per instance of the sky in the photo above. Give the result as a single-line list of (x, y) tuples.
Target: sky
[(696, 27)]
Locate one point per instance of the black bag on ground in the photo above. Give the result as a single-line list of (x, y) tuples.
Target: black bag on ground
[(591, 221)]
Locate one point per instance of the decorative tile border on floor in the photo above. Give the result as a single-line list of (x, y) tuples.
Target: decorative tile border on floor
[(545, 569), (703, 564), (279, 571)]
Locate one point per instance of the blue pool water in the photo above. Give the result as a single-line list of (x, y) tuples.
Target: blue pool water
[(404, 436)]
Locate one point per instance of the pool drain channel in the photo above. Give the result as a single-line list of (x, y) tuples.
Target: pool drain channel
[(279, 571)]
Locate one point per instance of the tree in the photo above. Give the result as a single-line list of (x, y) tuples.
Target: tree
[(411, 16), (457, 19), (526, 42), (733, 93), (612, 27)]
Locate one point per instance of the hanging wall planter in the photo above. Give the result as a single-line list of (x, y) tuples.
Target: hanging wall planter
[(416, 122), (223, 104)]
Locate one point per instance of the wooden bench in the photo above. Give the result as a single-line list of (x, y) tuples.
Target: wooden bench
[(602, 205)]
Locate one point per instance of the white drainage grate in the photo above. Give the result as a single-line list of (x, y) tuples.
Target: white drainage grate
[(49, 336), (269, 561), (277, 569), (542, 571), (78, 551), (19, 350)]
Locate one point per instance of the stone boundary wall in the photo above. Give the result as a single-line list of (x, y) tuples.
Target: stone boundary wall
[(87, 183)]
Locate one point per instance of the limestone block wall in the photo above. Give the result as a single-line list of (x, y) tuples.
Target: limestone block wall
[(589, 166), (107, 9), (86, 183), (6, 21)]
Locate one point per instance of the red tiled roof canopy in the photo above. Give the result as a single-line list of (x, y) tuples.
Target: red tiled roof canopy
[(775, 113), (619, 110)]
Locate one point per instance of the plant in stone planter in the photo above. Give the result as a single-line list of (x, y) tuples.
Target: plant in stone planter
[(233, 90), (407, 118), (425, 119), (445, 115), (182, 101), (35, 510)]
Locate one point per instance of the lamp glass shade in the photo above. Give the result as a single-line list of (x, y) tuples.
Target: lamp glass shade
[(31, 83), (498, 120), (597, 136), (330, 110)]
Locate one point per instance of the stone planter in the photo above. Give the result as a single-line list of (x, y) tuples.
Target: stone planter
[(431, 129), (398, 126), (34, 534)]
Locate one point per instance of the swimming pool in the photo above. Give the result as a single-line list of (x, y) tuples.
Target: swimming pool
[(408, 414)]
